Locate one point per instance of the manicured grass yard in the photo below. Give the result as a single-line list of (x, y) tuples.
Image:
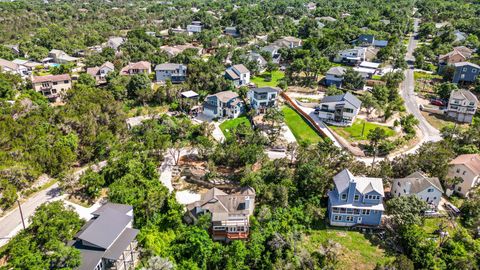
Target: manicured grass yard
[(356, 252), (354, 132), (276, 76), (229, 125), (300, 129)]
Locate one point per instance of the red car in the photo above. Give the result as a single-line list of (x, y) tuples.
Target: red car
[(437, 102)]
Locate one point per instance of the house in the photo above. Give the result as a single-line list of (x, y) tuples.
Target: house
[(457, 55), (466, 167), (339, 109), (465, 72), (263, 98), (107, 241), (175, 50), (14, 68), (137, 68), (231, 31), (311, 6), (427, 189), (351, 56), (189, 102), (334, 76), (462, 106), (369, 40), (459, 36), (273, 50), (52, 86), (223, 104), (61, 57), (239, 74), (355, 200), (100, 73), (28, 64), (194, 27), (258, 58), (176, 73), (288, 42), (115, 42), (230, 213), (178, 30)]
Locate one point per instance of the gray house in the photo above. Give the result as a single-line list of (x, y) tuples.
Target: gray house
[(465, 72), (462, 105), (107, 241), (223, 104), (263, 98), (334, 76), (239, 74), (339, 109), (355, 200), (176, 73)]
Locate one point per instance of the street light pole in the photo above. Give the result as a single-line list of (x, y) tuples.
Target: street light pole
[(21, 213)]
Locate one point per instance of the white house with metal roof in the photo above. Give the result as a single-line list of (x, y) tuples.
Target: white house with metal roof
[(462, 106)]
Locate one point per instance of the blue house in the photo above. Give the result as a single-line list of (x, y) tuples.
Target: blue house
[(465, 72), (355, 200)]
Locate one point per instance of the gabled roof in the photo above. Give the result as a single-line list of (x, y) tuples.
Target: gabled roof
[(105, 229), (225, 96), (168, 66), (232, 74), (241, 68), (9, 64), (471, 161), (461, 64), (348, 97), (419, 182), (51, 78), (463, 95), (339, 71), (364, 185)]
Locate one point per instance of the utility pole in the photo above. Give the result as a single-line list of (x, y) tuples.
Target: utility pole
[(21, 213)]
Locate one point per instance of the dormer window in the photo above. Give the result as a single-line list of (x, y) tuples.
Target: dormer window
[(356, 198), (344, 196)]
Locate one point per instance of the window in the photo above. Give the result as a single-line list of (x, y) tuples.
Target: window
[(404, 191), (219, 228), (356, 198), (337, 218), (344, 196), (65, 81), (349, 218), (55, 83), (366, 212), (434, 198), (459, 188), (335, 210), (398, 183), (458, 170), (464, 69), (430, 190), (348, 110), (349, 211), (356, 211), (464, 172), (474, 70)]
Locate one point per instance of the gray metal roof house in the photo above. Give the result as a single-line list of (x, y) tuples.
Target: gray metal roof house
[(107, 241)]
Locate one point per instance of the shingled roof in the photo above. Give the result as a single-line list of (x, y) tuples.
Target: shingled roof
[(419, 182), (471, 161)]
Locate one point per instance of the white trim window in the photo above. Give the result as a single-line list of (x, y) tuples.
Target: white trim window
[(337, 218), (365, 212), (349, 218)]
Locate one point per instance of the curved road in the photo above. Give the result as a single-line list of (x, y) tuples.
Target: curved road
[(429, 133)]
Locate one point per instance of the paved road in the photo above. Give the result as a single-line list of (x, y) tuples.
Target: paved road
[(429, 133), (11, 223)]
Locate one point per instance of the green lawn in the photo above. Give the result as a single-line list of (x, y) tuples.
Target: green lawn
[(425, 76), (229, 125), (299, 127), (356, 252), (261, 82), (354, 132)]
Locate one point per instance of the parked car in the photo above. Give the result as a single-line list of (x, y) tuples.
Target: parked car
[(437, 102)]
